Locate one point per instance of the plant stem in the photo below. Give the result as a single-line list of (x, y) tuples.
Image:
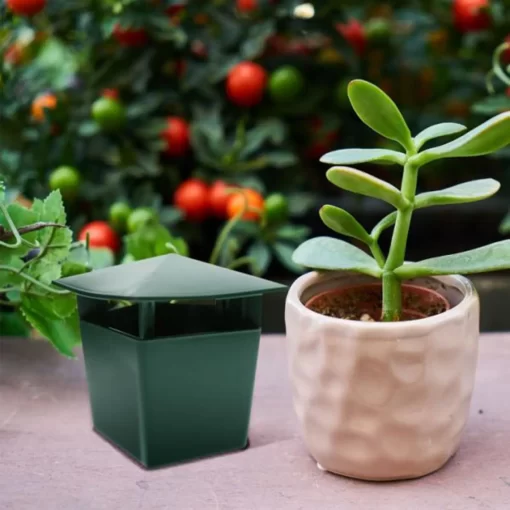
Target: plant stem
[(242, 261), (377, 253), (392, 296), (34, 281)]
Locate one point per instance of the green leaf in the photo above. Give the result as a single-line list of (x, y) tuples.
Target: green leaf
[(377, 110), (272, 130), (21, 217), (353, 156), (360, 182), (13, 324), (255, 40), (461, 193), (327, 253), (504, 227), (344, 223), (8, 278), (493, 257), (261, 256), (294, 233), (70, 268), (88, 128), (443, 129), (492, 105), (279, 159), (64, 334), (387, 222), (486, 138), (284, 253), (101, 258)]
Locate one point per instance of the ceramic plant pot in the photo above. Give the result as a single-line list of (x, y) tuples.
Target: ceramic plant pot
[(382, 401)]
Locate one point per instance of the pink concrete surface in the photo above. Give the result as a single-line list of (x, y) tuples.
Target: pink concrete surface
[(51, 459)]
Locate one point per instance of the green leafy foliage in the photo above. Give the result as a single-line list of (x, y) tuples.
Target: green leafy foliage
[(480, 260), (383, 116), (379, 112), (352, 156), (326, 253), (437, 131), (356, 181), (489, 137), (459, 194), (34, 253), (343, 222), (153, 241)]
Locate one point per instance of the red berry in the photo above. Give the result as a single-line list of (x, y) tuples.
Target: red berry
[(131, 37), (101, 235), (192, 197), (14, 54), (246, 82), (26, 7), (471, 15), (176, 136), (354, 33), (218, 199), (174, 10), (110, 93), (246, 5)]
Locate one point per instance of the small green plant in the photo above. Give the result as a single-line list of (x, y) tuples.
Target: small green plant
[(381, 114), (35, 249)]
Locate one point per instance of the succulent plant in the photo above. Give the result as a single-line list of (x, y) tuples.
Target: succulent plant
[(380, 113)]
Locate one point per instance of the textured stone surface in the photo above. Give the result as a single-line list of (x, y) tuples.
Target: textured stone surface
[(51, 460), (381, 401)]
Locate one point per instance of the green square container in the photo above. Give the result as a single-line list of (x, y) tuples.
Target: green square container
[(171, 375)]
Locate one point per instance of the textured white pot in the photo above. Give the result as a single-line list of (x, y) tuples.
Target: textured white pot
[(382, 401)]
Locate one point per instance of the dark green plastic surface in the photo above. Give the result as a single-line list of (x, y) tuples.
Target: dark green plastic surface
[(170, 376), (173, 398), (165, 278)]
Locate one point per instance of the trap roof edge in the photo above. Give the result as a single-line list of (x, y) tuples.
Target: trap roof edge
[(165, 278)]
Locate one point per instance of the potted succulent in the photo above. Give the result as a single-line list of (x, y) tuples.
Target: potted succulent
[(383, 351)]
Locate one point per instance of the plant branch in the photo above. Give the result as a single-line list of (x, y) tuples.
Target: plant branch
[(34, 281), (7, 234), (241, 261), (12, 226), (392, 303)]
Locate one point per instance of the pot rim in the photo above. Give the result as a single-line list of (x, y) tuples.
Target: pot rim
[(463, 284)]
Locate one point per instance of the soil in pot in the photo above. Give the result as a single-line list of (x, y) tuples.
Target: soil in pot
[(364, 303)]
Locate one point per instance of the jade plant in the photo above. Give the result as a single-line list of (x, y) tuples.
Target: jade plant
[(380, 113)]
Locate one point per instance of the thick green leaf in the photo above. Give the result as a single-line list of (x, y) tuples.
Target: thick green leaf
[(64, 334), (461, 193), (492, 105), (360, 182), (387, 222), (377, 110), (284, 253), (293, 233), (486, 138), (443, 129), (261, 256), (341, 221), (353, 156), (504, 227), (327, 253), (493, 257)]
